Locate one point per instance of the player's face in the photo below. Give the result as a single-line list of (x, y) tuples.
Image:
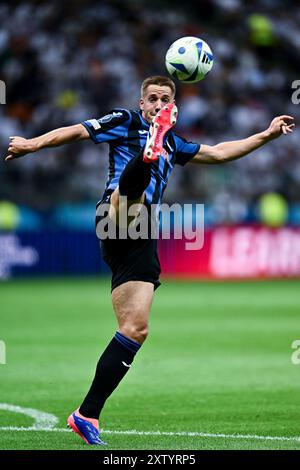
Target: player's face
[(154, 99)]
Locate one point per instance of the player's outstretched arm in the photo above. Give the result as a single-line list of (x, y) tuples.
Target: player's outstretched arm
[(227, 151), (18, 146)]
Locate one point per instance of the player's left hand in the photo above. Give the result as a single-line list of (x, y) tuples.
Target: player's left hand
[(280, 125)]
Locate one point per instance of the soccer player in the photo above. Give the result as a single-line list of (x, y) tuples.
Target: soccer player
[(143, 150)]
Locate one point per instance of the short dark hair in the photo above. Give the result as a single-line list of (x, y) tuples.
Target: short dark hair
[(158, 80)]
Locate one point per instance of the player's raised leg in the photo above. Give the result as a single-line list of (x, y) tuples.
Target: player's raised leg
[(136, 175), (133, 181), (164, 120)]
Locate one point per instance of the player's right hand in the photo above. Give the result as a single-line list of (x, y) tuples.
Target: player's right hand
[(18, 147)]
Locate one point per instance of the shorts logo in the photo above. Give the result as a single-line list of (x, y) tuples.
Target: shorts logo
[(109, 117)]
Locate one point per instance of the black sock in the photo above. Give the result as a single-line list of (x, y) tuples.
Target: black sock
[(111, 368), (135, 178)]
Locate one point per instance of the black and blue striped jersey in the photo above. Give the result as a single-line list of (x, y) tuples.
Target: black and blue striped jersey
[(126, 133)]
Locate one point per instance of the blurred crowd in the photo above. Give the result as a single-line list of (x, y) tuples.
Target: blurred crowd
[(65, 62)]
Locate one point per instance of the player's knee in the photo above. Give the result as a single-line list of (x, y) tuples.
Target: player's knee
[(136, 332), (141, 334)]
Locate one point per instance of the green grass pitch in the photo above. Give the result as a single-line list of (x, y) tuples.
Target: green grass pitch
[(217, 363)]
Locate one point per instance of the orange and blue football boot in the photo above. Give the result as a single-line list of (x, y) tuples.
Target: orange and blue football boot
[(164, 120), (86, 428)]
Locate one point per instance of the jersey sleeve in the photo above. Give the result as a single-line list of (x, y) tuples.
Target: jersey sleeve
[(110, 127), (185, 150)]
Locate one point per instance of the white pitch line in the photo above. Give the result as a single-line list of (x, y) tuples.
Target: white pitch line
[(41, 419), (46, 422), (134, 432)]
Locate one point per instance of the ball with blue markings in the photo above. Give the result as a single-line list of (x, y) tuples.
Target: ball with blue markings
[(189, 59)]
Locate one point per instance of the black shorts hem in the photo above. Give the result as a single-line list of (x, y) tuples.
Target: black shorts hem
[(118, 283)]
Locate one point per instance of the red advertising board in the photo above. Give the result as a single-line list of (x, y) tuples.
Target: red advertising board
[(235, 252)]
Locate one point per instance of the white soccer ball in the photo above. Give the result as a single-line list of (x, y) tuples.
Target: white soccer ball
[(189, 59)]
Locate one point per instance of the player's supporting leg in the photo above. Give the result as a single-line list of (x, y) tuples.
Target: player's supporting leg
[(132, 302)]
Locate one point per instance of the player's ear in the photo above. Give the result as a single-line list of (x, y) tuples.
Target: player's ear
[(142, 103)]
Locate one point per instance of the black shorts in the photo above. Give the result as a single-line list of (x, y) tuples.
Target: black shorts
[(130, 260)]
